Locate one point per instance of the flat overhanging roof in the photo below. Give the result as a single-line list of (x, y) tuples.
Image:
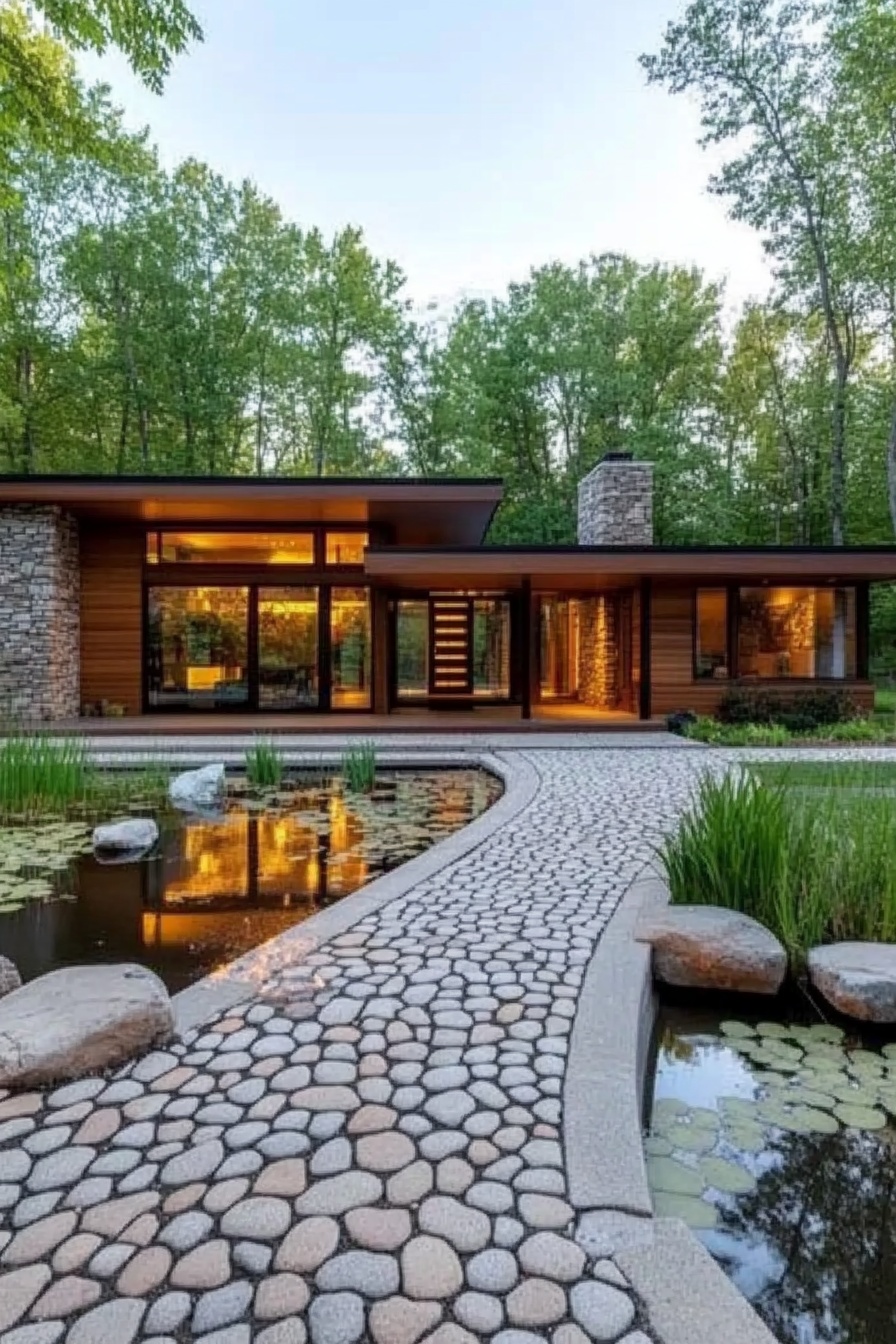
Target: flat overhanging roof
[(614, 566), (443, 511)]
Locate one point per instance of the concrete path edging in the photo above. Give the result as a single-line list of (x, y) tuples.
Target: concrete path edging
[(241, 978), (687, 1297)]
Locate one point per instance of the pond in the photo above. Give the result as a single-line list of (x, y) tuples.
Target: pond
[(774, 1141), (213, 888)]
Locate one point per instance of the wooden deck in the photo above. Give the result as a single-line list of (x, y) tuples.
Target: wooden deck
[(559, 718)]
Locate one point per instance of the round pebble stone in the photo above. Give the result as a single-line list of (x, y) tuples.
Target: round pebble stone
[(168, 1313), (364, 1272), (280, 1295), (492, 1271), (398, 1320), (378, 1229), (466, 1229), (253, 1257), (479, 1312), (536, 1302), (430, 1268), (309, 1243), (603, 1312), (336, 1318), (222, 1306)]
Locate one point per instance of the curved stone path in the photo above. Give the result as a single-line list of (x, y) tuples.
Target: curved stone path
[(371, 1148)]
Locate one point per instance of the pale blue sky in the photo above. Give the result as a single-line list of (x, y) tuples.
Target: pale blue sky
[(470, 139)]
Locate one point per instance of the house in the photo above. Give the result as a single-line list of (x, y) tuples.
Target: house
[(163, 596)]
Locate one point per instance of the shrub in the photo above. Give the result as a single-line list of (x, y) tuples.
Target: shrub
[(813, 865), (680, 721), (799, 710), (264, 764), (359, 767), (738, 734)]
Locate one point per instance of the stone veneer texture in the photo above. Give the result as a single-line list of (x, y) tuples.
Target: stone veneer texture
[(39, 613), (616, 504), (597, 652)]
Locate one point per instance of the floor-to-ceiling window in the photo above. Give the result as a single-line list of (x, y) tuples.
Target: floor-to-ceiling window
[(491, 648), (412, 649), (198, 647), (584, 651), (288, 676), (282, 625), (350, 640)]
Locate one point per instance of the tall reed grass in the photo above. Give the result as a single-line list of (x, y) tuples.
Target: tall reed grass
[(42, 775), (815, 866), (264, 763), (359, 767)]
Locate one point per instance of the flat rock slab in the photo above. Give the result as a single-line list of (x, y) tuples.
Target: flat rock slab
[(198, 790), (80, 1020), (858, 979), (133, 836), (706, 947)]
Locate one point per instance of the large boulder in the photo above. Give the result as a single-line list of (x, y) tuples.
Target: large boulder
[(125, 839), (80, 1020), (858, 979), (707, 947), (9, 976), (198, 790)]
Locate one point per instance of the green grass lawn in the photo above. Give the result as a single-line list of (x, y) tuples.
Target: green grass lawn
[(828, 774)]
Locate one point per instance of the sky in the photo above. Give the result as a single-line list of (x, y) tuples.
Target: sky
[(470, 139)]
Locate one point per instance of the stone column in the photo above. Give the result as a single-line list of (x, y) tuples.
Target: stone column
[(40, 621), (616, 503), (597, 652)]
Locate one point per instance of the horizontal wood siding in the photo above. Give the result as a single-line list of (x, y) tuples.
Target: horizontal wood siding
[(111, 615), (672, 662)]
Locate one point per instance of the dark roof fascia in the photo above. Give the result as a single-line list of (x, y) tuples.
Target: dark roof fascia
[(242, 482), (696, 551)]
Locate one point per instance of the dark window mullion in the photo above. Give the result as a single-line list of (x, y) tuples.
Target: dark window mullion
[(253, 648), (324, 651)]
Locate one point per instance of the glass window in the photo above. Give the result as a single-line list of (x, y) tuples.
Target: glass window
[(491, 648), (287, 648), (350, 648), (711, 634), (559, 648), (346, 548), (412, 649), (198, 647), (235, 548), (797, 632)]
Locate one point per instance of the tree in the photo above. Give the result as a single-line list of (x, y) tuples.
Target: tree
[(764, 76)]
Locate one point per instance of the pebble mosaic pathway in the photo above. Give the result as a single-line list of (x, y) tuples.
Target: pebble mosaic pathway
[(370, 1150)]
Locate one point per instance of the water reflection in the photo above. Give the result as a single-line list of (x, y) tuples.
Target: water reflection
[(813, 1245), (213, 889)]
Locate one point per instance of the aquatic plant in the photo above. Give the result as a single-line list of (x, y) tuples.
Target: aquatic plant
[(264, 763), (813, 865), (42, 773), (359, 767)]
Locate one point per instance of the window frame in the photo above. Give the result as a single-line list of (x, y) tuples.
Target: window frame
[(732, 634), (318, 531), (730, 631)]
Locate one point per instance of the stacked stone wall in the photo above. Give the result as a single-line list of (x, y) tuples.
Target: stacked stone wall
[(616, 504), (39, 614)]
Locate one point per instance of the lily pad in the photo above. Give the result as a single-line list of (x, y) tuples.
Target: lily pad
[(737, 1029), (748, 1138), (861, 1117), (726, 1176), (655, 1145), (699, 1215), (674, 1177), (692, 1138), (668, 1108)]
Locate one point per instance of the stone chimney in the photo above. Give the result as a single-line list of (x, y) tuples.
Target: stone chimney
[(616, 503)]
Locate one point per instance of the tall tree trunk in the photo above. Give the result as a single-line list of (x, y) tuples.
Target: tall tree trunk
[(838, 453)]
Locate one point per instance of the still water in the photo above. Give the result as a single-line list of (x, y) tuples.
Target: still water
[(775, 1142), (214, 888)]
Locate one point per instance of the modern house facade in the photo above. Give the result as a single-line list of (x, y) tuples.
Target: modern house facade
[(162, 596)]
